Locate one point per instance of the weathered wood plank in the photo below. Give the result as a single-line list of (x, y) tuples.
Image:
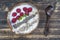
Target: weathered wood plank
[(38, 33)]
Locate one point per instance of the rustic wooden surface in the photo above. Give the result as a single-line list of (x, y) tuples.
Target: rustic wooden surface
[(37, 34)]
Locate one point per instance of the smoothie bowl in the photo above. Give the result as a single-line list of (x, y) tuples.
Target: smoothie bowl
[(23, 18)]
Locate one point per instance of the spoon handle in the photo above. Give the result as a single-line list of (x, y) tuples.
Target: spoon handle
[(46, 30)]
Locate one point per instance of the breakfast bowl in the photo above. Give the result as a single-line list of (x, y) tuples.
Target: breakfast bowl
[(23, 18)]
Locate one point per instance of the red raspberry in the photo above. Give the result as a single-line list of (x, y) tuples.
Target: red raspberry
[(14, 20), (30, 9), (25, 8), (17, 17), (18, 10), (27, 13), (14, 14), (21, 14)]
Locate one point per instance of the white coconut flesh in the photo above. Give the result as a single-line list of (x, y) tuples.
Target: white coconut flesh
[(27, 23)]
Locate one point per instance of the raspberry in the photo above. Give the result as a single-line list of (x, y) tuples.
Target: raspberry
[(25, 8), (14, 20), (21, 14), (14, 14), (30, 9), (17, 17), (18, 10), (27, 13)]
